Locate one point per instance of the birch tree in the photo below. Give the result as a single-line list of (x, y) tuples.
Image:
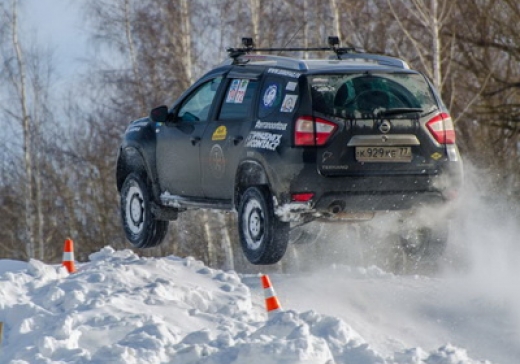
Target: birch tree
[(127, 16), (225, 243), (27, 73), (186, 37), (489, 54), (19, 82), (15, 73), (431, 16)]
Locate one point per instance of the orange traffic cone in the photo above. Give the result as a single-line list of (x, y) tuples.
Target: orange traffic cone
[(68, 256), (272, 304)]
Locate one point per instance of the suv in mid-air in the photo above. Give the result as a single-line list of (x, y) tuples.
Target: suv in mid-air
[(284, 141)]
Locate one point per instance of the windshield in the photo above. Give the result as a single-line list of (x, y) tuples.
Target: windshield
[(368, 95)]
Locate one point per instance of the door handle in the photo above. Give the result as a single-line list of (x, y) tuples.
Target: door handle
[(195, 140), (237, 139)]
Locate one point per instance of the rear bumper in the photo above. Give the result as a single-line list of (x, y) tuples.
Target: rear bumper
[(352, 207), (335, 197), (363, 202)]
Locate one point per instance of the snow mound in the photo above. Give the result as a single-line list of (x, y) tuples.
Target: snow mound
[(120, 308)]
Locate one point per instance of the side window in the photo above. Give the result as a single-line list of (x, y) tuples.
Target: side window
[(238, 99), (277, 96), (196, 107)]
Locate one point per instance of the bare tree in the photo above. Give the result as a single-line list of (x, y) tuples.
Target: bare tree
[(429, 17), (488, 45), (225, 242), (19, 82), (186, 37), (27, 72), (162, 52), (132, 54)]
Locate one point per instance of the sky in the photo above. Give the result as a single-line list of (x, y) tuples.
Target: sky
[(58, 24)]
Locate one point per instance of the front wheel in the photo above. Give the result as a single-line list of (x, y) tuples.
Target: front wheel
[(263, 236), (140, 226)]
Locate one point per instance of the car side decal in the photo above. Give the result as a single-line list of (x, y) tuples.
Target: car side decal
[(289, 102), (281, 72), (136, 126), (271, 125), (263, 140), (217, 161), (220, 133), (270, 95), (291, 86), (236, 92), (233, 88)]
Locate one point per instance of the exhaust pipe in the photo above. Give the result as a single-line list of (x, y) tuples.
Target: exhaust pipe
[(336, 207)]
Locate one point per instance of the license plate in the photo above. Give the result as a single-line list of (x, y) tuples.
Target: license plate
[(384, 154)]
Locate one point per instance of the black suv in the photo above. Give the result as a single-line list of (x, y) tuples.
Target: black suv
[(284, 141)]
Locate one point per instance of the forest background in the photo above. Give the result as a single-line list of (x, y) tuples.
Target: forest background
[(58, 153)]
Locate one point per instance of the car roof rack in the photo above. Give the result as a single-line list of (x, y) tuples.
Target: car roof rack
[(240, 56)]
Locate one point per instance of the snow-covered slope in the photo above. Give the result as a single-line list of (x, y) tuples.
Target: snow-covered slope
[(394, 313), (120, 308)]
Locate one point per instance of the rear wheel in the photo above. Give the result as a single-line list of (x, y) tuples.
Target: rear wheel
[(140, 226), (263, 236)]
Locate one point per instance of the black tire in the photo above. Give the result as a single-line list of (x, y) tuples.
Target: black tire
[(140, 226), (263, 236)]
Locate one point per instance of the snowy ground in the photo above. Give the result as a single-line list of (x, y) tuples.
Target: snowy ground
[(345, 307), (120, 308)]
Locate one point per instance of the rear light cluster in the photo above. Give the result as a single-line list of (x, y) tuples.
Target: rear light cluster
[(311, 131), (442, 129)]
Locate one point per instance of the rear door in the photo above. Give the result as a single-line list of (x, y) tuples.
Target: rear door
[(382, 121), (224, 137)]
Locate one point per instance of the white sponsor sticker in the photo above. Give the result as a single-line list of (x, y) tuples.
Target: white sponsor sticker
[(281, 72), (263, 140), (241, 91), (291, 86), (232, 91), (288, 103), (271, 125)]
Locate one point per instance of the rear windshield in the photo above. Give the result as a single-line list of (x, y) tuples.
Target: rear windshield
[(366, 95)]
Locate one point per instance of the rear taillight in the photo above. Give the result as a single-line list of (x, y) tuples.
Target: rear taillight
[(441, 127), (311, 131)]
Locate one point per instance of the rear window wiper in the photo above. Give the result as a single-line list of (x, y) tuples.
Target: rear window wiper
[(399, 111)]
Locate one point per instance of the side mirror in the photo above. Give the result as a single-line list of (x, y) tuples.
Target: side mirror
[(159, 114)]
